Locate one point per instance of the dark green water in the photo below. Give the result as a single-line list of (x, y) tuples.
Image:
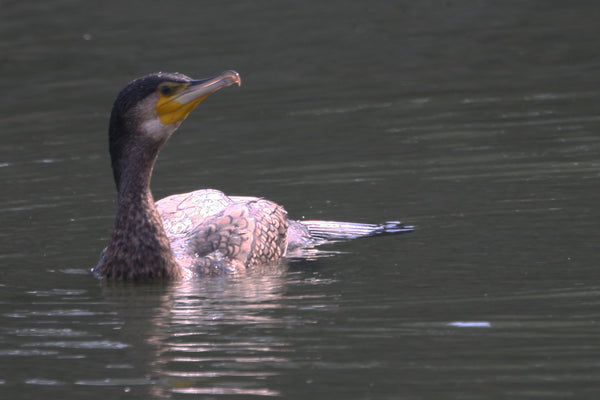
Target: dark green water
[(475, 121)]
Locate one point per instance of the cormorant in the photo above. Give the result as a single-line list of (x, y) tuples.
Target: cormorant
[(198, 233)]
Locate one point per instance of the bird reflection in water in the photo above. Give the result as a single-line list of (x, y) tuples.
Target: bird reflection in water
[(212, 336)]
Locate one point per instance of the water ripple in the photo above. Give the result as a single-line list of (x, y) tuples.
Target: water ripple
[(94, 344)]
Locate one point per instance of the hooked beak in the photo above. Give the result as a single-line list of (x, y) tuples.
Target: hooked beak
[(177, 107)]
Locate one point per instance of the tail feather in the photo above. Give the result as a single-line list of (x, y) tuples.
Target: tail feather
[(334, 230)]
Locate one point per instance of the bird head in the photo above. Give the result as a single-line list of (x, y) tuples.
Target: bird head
[(156, 104), (149, 109)]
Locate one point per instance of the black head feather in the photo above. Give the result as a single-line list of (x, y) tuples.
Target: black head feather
[(139, 88)]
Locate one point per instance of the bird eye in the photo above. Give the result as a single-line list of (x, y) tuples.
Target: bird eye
[(165, 90)]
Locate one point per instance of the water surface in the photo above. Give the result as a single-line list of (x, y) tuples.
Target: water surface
[(474, 121)]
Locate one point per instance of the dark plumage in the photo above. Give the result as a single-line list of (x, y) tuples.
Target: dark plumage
[(199, 233)]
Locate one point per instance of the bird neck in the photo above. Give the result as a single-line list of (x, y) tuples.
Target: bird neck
[(139, 247)]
